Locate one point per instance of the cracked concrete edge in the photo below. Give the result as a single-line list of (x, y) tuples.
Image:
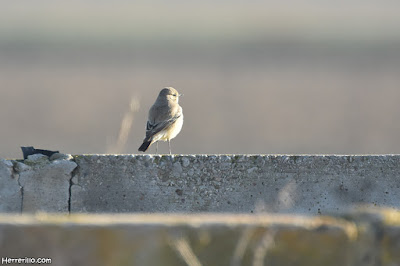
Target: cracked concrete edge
[(21, 189), (23, 171), (72, 181), (10, 190)]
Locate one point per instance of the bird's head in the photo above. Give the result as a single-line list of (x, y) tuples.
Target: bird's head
[(170, 94)]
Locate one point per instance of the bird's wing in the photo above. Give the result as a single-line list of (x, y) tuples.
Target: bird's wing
[(149, 126), (153, 129)]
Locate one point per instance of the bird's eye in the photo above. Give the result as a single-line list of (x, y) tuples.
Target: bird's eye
[(174, 95)]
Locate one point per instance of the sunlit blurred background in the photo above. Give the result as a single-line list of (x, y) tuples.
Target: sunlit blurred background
[(307, 76)]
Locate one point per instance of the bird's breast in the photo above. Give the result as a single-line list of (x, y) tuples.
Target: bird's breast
[(174, 129)]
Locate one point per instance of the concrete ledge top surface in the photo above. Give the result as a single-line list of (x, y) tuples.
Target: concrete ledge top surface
[(234, 156), (240, 154)]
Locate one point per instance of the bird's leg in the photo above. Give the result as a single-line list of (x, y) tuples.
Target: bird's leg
[(169, 145), (157, 147)]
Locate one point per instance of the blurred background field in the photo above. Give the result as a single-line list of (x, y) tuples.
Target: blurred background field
[(257, 77)]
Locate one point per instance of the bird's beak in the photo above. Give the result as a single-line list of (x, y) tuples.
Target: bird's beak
[(180, 95)]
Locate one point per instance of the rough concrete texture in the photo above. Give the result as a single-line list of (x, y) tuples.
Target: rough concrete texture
[(204, 239), (45, 184), (10, 191), (314, 184)]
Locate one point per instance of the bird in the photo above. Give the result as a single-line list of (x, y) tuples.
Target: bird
[(165, 119)]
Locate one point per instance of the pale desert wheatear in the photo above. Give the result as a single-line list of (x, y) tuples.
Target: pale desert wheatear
[(165, 119)]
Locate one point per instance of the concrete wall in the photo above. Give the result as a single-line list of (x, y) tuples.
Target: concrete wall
[(369, 238), (239, 184), (314, 184)]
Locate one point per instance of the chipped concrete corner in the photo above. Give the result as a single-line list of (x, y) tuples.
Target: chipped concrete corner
[(43, 183), (305, 184), (10, 191)]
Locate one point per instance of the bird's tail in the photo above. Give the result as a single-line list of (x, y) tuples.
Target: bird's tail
[(145, 145)]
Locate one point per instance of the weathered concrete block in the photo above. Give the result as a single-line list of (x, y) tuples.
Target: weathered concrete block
[(202, 239), (45, 184), (10, 191), (206, 183), (234, 183)]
